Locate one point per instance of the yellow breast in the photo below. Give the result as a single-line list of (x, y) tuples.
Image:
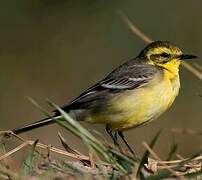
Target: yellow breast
[(147, 103)]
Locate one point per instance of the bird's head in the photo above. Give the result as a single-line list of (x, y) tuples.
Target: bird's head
[(165, 55)]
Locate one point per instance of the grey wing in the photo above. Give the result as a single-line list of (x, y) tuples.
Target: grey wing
[(129, 77), (123, 78)]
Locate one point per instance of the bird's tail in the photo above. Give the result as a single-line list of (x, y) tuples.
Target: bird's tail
[(36, 124)]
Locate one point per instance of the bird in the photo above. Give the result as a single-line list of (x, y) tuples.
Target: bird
[(133, 94)]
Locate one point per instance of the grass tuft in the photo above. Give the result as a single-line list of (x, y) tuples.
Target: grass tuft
[(102, 162)]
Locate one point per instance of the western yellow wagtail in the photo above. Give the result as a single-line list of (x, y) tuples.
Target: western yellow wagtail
[(133, 94)]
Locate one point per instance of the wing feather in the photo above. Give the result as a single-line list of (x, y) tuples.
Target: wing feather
[(123, 78)]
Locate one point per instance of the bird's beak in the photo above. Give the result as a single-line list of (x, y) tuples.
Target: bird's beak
[(186, 56)]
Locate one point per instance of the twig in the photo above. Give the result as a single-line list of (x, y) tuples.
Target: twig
[(193, 70), (15, 135), (198, 66), (65, 145), (42, 146), (13, 150), (198, 158), (136, 30), (186, 131), (59, 151), (72, 151), (5, 132), (157, 157)]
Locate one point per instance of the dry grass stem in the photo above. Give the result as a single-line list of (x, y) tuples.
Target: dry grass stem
[(13, 151), (136, 30), (157, 158)]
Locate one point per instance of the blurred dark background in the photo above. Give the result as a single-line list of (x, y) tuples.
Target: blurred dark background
[(54, 49)]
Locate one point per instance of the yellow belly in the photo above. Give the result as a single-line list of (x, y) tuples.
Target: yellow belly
[(135, 107), (146, 104)]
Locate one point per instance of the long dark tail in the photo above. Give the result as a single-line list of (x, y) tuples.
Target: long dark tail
[(36, 124)]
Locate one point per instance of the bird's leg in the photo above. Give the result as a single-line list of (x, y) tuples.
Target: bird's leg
[(126, 143), (114, 137)]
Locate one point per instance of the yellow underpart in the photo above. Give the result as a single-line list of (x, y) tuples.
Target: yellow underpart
[(136, 107)]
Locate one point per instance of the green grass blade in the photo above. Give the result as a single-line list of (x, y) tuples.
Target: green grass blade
[(38, 106), (173, 150), (28, 163)]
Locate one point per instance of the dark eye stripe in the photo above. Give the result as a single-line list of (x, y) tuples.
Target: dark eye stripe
[(160, 58), (165, 55)]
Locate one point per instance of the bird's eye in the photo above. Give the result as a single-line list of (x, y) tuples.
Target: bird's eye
[(164, 55)]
